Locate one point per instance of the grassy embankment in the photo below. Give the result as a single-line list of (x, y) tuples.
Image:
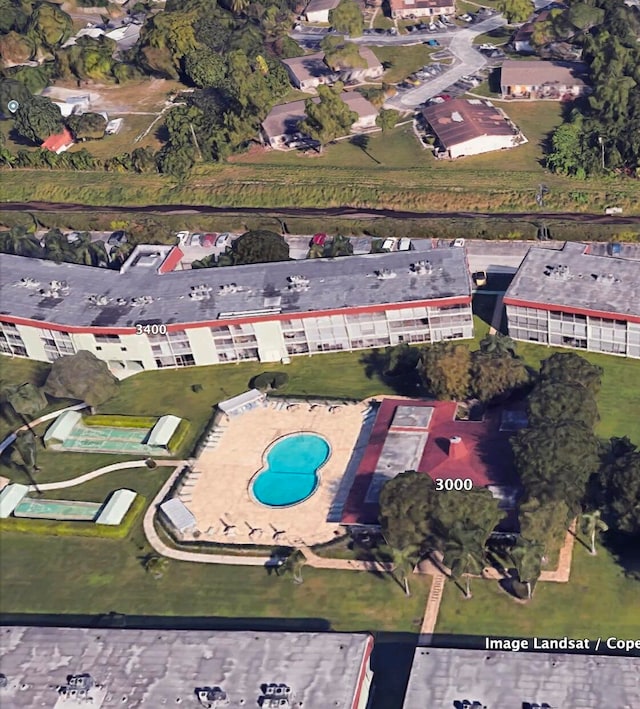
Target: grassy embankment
[(404, 177)]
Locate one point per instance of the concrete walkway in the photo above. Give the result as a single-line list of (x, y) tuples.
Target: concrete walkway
[(319, 562), (562, 572), (114, 467)]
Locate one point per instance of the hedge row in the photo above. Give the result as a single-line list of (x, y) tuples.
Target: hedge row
[(120, 421), (179, 436), (58, 528)]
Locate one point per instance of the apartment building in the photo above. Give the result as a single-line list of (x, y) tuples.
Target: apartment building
[(145, 318), (571, 298)]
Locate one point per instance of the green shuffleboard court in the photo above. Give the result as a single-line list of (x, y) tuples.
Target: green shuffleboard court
[(104, 439), (57, 509)]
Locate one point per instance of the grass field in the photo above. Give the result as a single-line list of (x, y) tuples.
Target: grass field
[(405, 178), (582, 608), (402, 61)]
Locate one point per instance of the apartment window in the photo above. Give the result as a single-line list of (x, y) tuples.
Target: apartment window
[(10, 340), (107, 339), (56, 344)]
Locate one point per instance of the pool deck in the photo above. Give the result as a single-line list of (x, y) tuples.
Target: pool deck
[(222, 491)]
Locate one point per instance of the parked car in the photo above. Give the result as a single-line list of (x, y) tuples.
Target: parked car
[(432, 28), (444, 97), (223, 240), (404, 245), (432, 42), (208, 240), (117, 238), (182, 237), (73, 237), (195, 240), (614, 248), (319, 239), (466, 17), (459, 243), (389, 244), (412, 81), (480, 278), (613, 210)]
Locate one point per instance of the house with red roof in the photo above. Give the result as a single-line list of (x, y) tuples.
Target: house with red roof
[(58, 142), (426, 436)]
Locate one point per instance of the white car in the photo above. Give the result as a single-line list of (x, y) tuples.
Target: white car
[(459, 243), (195, 240), (182, 237), (405, 244), (389, 244), (223, 241)]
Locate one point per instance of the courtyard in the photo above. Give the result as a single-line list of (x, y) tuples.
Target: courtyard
[(222, 500)]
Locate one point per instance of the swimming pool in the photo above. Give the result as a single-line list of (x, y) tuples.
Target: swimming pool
[(291, 472)]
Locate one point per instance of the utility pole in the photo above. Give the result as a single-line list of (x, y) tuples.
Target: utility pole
[(601, 141), (195, 140)]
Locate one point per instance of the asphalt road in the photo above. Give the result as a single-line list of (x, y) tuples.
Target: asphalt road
[(467, 60)]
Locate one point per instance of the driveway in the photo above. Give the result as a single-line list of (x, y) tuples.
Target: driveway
[(467, 60)]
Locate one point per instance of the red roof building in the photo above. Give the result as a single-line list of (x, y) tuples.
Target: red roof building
[(411, 434), (59, 142)]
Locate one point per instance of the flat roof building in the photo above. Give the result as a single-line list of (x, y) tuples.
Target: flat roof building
[(148, 669), (499, 680), (572, 298), (535, 79), (142, 319)]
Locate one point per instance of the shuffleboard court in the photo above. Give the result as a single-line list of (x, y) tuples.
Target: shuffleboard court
[(58, 509), (105, 439)]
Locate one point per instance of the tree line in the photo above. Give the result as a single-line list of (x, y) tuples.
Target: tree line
[(565, 471), (602, 133)]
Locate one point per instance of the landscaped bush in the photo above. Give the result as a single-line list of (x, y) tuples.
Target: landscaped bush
[(119, 421), (269, 380), (57, 528), (179, 436)]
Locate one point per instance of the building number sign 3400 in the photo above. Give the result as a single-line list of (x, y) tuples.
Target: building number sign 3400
[(154, 329)]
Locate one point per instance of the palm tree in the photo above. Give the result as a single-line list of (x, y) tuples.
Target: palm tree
[(404, 560), (464, 553), (239, 6), (591, 525), (498, 344), (155, 565), (294, 563), (527, 559)]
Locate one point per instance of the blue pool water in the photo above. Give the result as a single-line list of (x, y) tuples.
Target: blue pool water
[(290, 475)]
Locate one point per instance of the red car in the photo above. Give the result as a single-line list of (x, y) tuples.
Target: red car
[(319, 239), (444, 97), (208, 240)]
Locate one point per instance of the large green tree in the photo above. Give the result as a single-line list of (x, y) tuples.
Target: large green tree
[(555, 461), (81, 376), (328, 119), (50, 25), (544, 522), (620, 493), (37, 119), (476, 508), (572, 368), (527, 560), (87, 126), (347, 18), (496, 370), (556, 401), (205, 68), (445, 370), (515, 10), (257, 246)]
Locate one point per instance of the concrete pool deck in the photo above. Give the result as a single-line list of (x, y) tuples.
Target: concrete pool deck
[(221, 494)]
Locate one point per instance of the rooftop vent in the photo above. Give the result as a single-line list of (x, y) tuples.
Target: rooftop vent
[(422, 268), (212, 697), (298, 283), (457, 448), (56, 289), (29, 283), (141, 300), (229, 288), (4, 682), (121, 301), (456, 117), (605, 279), (560, 272), (98, 299), (385, 274), (200, 292)]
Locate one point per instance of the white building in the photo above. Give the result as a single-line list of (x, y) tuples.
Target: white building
[(148, 669), (470, 127), (147, 319), (318, 10), (571, 298), (309, 71)]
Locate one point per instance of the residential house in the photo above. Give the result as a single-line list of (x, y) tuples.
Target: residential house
[(308, 72), (401, 9), (522, 37), (373, 70), (58, 142), (470, 127), (533, 79), (280, 127), (318, 10)]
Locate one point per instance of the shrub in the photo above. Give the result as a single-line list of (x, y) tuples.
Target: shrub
[(269, 380), (120, 421), (179, 436), (57, 528), (196, 388)]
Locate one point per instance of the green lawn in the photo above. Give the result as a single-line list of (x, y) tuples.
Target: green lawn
[(598, 601), (403, 61)]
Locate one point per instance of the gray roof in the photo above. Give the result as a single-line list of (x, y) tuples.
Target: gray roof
[(308, 66), (499, 680), (318, 5), (178, 514), (156, 668), (205, 295), (10, 497), (253, 396), (534, 72), (117, 507), (576, 279)]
